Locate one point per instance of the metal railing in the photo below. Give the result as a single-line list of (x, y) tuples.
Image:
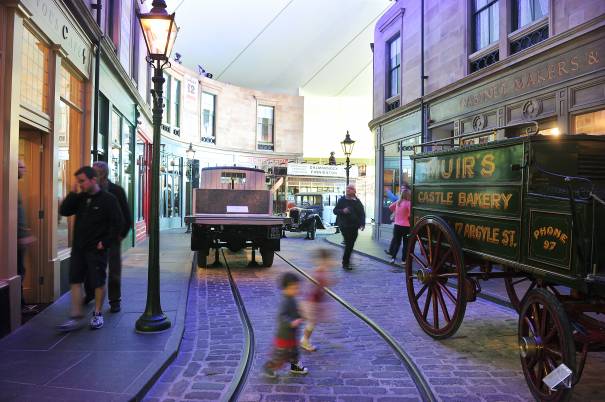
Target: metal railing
[(477, 134)]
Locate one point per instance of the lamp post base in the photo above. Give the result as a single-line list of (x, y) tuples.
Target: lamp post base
[(148, 323)]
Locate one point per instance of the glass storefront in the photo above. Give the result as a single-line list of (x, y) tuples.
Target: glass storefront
[(69, 133), (396, 170), (592, 123), (171, 179)]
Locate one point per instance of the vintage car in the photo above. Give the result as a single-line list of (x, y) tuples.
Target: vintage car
[(234, 209), (304, 220)]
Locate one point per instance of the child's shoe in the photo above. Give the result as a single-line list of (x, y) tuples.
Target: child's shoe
[(306, 345), (298, 368)]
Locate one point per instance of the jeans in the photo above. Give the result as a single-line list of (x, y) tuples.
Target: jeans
[(400, 234), (350, 235)]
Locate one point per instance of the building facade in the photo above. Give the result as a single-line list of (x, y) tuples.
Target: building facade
[(73, 88), (481, 65), (225, 125)]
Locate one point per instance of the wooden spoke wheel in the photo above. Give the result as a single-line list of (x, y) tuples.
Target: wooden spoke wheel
[(435, 277), (518, 288), (545, 341)]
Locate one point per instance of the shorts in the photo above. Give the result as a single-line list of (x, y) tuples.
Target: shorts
[(91, 265)]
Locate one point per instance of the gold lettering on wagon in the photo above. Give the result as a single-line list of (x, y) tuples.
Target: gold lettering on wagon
[(487, 234), (461, 167), (550, 232), (482, 200)]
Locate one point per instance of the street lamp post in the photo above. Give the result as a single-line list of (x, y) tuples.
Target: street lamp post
[(347, 149), (159, 31), (190, 156)]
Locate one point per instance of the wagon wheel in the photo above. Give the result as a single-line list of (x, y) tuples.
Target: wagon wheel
[(518, 288), (545, 341), (435, 275)]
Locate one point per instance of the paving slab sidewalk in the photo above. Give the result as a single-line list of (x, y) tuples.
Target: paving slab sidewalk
[(492, 290), (115, 363)]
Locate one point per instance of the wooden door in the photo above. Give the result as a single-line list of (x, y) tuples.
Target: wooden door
[(30, 189)]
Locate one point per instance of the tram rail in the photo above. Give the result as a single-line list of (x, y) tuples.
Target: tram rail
[(243, 370)]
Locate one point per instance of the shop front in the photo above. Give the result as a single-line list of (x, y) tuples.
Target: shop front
[(116, 141), (172, 181), (562, 89), (45, 113)]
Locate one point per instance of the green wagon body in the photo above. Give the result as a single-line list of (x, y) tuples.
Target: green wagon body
[(508, 202), (529, 210)]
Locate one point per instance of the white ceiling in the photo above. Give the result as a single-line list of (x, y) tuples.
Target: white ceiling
[(320, 47)]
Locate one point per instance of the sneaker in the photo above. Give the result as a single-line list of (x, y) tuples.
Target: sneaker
[(306, 345), (96, 321), (392, 261), (387, 252), (72, 324), (298, 369), (115, 308), (267, 372)]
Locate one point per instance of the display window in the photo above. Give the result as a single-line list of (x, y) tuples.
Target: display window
[(592, 123), (69, 134)]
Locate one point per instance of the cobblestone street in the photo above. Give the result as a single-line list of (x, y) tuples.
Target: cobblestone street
[(479, 363)]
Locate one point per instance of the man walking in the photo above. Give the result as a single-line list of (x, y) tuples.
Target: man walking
[(114, 281), (351, 217), (96, 228)]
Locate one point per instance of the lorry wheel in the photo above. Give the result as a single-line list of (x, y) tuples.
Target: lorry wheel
[(267, 254), (202, 258)]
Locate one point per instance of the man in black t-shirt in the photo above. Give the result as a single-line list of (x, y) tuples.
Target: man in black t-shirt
[(351, 217), (97, 226), (114, 280)]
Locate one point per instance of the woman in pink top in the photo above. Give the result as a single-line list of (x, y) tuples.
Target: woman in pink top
[(401, 211)]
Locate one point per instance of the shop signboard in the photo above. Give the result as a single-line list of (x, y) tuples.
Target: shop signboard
[(309, 169)]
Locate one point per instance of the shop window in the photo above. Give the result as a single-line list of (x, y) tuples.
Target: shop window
[(485, 23), (170, 185), (127, 154), (166, 118), (208, 122), (592, 123), (35, 73), (525, 12), (441, 134), (407, 149), (142, 180), (69, 134), (390, 179), (394, 72), (115, 153), (177, 103), (264, 128)]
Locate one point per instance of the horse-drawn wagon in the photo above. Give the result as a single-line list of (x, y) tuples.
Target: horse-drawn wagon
[(529, 210)]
